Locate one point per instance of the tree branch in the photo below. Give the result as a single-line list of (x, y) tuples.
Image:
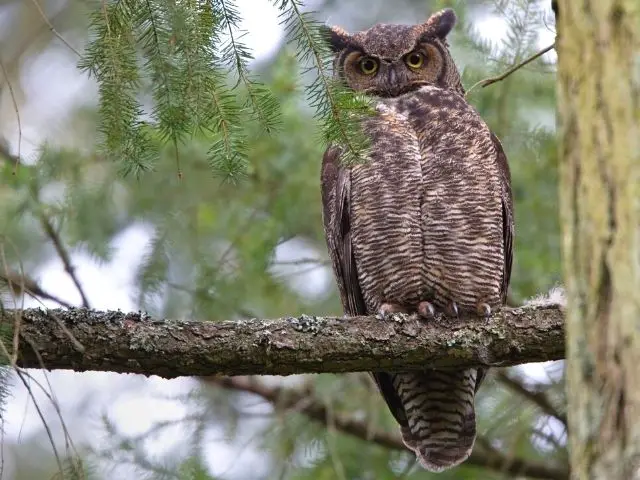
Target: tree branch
[(62, 252), (136, 343), (20, 284), (8, 157), (304, 403), (498, 78), (538, 397)]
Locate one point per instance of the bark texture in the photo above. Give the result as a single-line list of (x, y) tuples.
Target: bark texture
[(83, 339), (599, 84)]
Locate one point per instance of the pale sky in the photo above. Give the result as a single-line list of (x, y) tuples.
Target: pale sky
[(134, 403)]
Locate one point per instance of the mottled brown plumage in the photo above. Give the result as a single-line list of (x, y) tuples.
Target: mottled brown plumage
[(426, 224)]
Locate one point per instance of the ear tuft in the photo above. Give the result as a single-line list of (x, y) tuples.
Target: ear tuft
[(336, 37), (441, 23)]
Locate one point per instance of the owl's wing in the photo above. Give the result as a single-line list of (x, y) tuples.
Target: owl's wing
[(336, 210), (507, 229), (507, 214)]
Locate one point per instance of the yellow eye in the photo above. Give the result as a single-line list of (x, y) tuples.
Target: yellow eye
[(414, 59), (368, 65)]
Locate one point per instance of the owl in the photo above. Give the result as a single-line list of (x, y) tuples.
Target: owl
[(424, 225)]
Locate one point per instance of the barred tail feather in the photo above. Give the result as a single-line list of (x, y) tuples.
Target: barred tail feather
[(440, 417)]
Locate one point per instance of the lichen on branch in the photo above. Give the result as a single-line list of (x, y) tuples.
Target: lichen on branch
[(84, 339)]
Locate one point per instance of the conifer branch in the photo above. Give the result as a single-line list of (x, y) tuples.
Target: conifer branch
[(111, 57), (290, 400), (136, 343), (261, 101), (169, 110), (340, 110), (213, 102)]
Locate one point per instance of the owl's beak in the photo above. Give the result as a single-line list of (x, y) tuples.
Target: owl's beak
[(392, 78), (393, 81)]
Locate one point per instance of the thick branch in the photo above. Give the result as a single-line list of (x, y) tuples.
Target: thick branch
[(306, 404), (136, 343)]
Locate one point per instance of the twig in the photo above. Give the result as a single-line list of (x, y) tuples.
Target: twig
[(303, 403), (52, 28), (539, 398), (302, 261), (45, 424), (64, 256), (491, 80), (205, 293), (17, 317), (7, 156), (69, 444), (23, 375), (21, 283), (548, 438), (222, 260), (288, 399), (17, 112)]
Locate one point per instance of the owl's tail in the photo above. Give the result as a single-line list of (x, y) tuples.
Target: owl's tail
[(435, 409)]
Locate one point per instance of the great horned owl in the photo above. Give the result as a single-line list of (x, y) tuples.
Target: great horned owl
[(426, 223)]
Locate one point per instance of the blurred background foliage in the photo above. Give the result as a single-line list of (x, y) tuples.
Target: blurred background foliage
[(209, 249)]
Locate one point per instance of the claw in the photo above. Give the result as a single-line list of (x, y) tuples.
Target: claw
[(453, 309), (388, 309), (426, 310), (484, 310)]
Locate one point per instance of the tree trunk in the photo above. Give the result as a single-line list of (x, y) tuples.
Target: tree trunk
[(599, 84)]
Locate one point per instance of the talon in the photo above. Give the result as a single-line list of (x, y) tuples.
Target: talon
[(453, 309), (426, 310), (484, 310), (388, 309)]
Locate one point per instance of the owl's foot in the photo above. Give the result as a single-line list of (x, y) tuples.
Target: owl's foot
[(484, 310), (452, 310), (387, 310), (426, 310)]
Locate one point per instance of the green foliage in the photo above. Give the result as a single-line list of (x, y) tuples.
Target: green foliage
[(340, 110), (193, 469), (186, 54), (111, 58), (73, 468)]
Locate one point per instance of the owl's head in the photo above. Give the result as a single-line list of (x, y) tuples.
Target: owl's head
[(390, 60)]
